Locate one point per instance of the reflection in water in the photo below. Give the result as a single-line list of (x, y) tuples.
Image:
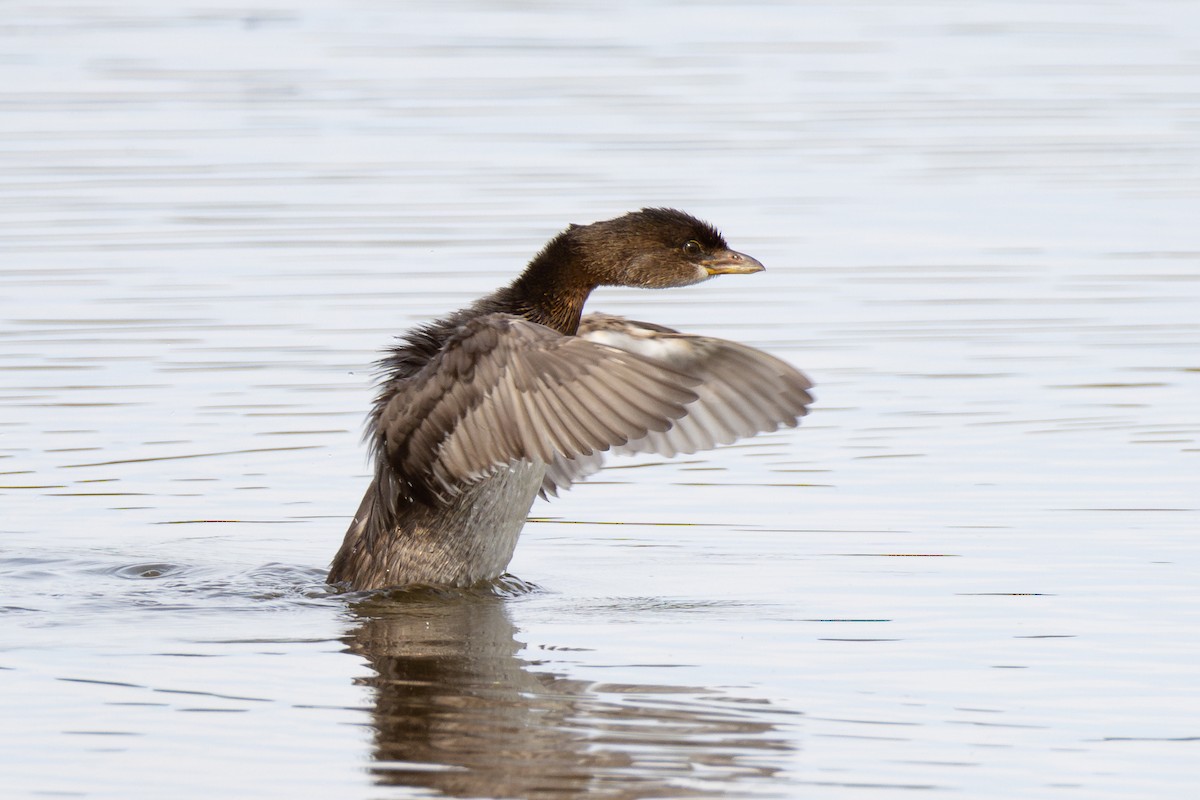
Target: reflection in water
[(457, 710)]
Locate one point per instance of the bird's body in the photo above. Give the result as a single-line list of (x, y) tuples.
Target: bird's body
[(459, 542), (512, 396)]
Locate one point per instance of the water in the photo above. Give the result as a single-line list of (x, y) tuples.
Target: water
[(972, 572)]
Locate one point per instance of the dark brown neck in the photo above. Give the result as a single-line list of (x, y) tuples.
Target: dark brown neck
[(560, 310), (552, 290)]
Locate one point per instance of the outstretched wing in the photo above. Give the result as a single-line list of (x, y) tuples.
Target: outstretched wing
[(505, 389), (741, 392)]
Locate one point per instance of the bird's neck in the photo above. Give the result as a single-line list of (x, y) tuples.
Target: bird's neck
[(551, 291)]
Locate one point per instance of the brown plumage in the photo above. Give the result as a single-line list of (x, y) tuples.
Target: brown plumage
[(481, 411)]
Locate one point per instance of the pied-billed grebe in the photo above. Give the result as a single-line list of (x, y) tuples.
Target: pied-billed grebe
[(515, 395)]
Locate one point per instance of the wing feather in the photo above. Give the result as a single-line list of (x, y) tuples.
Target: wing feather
[(504, 389), (741, 392)]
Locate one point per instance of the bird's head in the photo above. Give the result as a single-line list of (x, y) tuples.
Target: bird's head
[(655, 248)]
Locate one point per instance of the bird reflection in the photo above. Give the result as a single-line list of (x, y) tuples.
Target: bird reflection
[(458, 711)]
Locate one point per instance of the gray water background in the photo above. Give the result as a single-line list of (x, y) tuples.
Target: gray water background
[(972, 572)]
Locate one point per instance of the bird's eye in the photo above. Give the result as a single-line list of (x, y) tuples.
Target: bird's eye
[(692, 247)]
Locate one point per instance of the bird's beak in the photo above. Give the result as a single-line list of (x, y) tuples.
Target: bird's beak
[(731, 262)]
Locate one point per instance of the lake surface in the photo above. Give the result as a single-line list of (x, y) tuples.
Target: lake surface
[(972, 572)]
